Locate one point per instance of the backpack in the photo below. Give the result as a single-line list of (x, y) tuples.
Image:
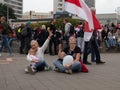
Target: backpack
[(24, 31)]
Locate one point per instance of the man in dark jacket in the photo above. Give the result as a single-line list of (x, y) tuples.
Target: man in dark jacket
[(6, 30), (52, 40)]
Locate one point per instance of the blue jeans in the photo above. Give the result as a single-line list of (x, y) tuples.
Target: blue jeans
[(10, 40), (39, 66), (5, 42), (107, 44), (118, 44), (80, 43), (76, 67), (111, 42)]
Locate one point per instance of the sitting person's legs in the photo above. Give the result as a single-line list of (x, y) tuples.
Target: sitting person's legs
[(58, 64), (76, 67), (39, 66)]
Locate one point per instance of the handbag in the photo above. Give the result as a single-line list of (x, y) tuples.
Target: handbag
[(84, 67)]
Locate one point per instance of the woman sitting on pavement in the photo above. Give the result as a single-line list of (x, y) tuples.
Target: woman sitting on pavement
[(40, 65), (72, 50)]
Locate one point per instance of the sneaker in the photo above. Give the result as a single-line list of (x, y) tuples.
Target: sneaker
[(49, 68), (56, 69), (26, 70), (68, 71), (31, 70)]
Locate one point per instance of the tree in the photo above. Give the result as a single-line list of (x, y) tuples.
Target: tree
[(3, 11)]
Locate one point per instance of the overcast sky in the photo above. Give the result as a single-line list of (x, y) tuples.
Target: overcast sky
[(102, 6)]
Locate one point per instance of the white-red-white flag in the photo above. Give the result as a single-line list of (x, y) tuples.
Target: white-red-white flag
[(80, 8)]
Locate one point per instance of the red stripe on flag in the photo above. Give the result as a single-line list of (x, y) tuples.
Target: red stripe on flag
[(76, 2), (86, 27), (96, 23)]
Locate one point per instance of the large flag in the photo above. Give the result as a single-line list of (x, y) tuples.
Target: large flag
[(87, 31), (80, 8)]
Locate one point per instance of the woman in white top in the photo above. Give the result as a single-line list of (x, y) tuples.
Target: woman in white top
[(40, 64)]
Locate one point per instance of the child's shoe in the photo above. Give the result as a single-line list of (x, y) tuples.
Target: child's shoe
[(56, 69), (26, 70), (31, 70), (49, 68)]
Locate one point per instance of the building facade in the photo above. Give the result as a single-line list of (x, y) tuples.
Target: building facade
[(16, 5), (37, 15), (59, 5), (90, 3), (109, 18)]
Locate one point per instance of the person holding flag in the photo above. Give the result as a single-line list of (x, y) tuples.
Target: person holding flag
[(92, 42)]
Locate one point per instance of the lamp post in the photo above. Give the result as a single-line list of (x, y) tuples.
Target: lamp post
[(8, 10), (7, 13), (117, 10)]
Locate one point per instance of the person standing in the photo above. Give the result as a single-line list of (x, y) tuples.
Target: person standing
[(52, 40), (28, 36), (80, 36), (67, 30), (42, 35), (21, 38), (92, 42), (6, 30)]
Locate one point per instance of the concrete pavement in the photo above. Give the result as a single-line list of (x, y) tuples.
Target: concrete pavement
[(100, 77)]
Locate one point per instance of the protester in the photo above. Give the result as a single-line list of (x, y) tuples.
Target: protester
[(59, 36), (21, 38), (42, 35), (28, 36), (67, 30), (6, 30), (80, 36), (39, 64), (52, 40), (92, 42), (72, 50)]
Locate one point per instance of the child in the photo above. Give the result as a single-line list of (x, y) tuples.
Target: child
[(32, 53)]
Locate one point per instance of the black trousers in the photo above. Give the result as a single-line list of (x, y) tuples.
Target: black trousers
[(94, 44), (52, 45)]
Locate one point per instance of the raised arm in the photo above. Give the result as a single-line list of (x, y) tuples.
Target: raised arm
[(61, 54)]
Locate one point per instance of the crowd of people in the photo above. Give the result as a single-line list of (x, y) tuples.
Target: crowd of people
[(70, 41)]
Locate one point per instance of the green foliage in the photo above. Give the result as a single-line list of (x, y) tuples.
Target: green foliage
[(3, 11), (58, 23), (74, 22)]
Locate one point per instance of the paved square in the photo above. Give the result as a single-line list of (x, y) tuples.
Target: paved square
[(100, 77)]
